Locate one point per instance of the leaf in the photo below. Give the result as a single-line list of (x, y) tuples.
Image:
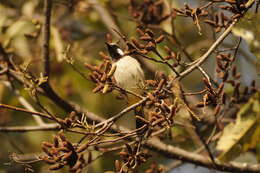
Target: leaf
[(234, 133)]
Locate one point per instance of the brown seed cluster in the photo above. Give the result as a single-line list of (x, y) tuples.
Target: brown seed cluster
[(62, 153), (147, 41), (219, 22), (131, 157), (148, 11), (154, 168), (227, 73), (101, 75), (161, 107)]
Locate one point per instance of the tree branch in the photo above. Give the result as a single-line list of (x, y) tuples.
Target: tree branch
[(170, 151), (46, 127), (43, 115), (204, 57), (46, 37)]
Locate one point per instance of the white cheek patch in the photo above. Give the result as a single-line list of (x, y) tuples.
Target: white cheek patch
[(120, 51)]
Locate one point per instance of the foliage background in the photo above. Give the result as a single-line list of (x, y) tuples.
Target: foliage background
[(82, 28)]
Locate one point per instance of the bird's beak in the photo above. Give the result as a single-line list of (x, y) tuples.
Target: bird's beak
[(108, 45)]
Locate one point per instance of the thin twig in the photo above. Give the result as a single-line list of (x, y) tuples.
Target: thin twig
[(46, 127), (117, 116), (46, 37), (204, 57), (25, 111)]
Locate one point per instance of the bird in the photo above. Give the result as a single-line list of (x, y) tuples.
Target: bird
[(129, 76)]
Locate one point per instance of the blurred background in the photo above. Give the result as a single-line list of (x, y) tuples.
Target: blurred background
[(82, 26)]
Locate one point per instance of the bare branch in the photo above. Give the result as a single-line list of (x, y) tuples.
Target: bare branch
[(46, 37), (46, 127), (43, 115), (204, 57)]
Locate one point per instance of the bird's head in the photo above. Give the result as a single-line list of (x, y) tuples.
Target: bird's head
[(114, 51)]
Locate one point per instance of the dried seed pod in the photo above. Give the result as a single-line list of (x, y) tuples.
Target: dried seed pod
[(236, 16), (140, 31), (129, 149), (63, 149), (149, 32), (62, 137), (216, 19), (72, 115), (104, 56), (56, 166), (210, 22), (234, 71), (231, 1), (173, 55), (151, 97), (47, 151), (67, 155), (220, 66), (225, 77), (107, 66), (93, 78), (217, 110), (48, 160), (168, 50), (112, 71), (223, 99), (200, 105), (104, 77), (82, 148), (226, 57), (77, 166), (223, 19), (217, 29), (47, 144), (118, 165), (151, 82), (159, 39), (218, 70), (137, 44), (146, 37), (178, 11), (68, 122), (106, 88), (142, 119), (149, 103), (157, 121), (90, 67), (98, 88), (69, 145), (167, 58), (56, 141), (238, 75), (150, 46), (123, 154), (220, 88), (161, 84), (96, 74), (143, 51)]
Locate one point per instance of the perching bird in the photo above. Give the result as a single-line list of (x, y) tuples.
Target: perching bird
[(129, 76)]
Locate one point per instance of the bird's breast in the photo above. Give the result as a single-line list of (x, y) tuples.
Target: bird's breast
[(129, 74)]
